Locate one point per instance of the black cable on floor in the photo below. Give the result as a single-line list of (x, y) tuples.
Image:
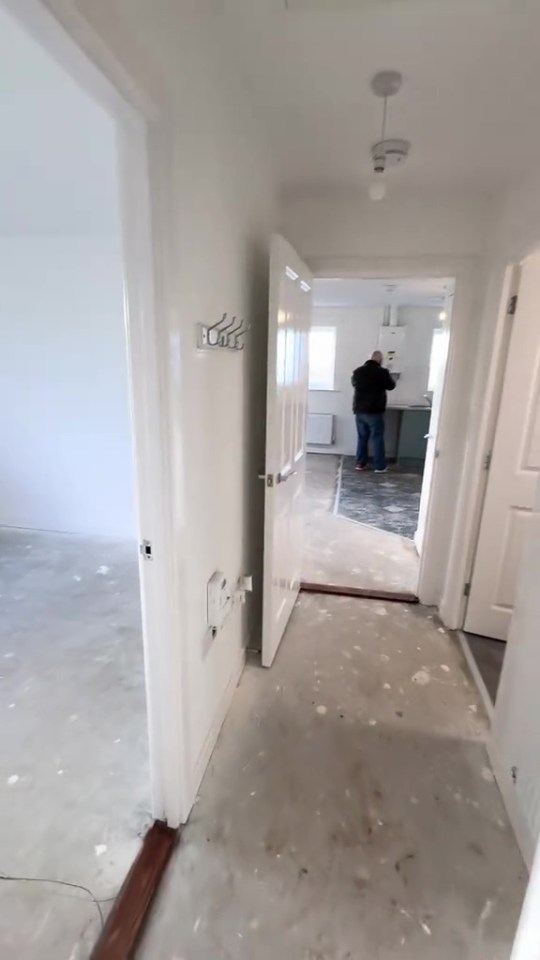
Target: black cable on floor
[(63, 883)]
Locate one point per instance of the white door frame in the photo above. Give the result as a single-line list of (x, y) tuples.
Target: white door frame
[(434, 569), (485, 438), (503, 282), (68, 38)]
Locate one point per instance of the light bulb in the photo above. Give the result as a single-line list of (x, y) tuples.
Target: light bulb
[(377, 189), (443, 315)]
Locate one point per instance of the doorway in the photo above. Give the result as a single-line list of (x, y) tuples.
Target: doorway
[(81, 758), (511, 474), (366, 530)]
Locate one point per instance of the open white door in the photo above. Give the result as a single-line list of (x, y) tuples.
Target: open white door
[(429, 463), (287, 396), (508, 517)]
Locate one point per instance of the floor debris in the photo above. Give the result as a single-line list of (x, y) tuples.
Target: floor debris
[(339, 803)]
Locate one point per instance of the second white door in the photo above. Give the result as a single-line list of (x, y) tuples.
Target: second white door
[(287, 394), (508, 516)]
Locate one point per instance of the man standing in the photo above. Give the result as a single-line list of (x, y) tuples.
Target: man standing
[(370, 382)]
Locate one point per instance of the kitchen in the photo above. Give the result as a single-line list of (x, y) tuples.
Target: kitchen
[(408, 320)]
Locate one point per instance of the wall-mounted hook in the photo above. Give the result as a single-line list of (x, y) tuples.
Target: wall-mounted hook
[(232, 336), (213, 332), (224, 335), (242, 333)]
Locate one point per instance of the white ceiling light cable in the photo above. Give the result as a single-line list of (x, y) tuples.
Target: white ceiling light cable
[(377, 187), (386, 152)]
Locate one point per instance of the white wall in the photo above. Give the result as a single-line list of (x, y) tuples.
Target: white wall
[(65, 440), (516, 230), (215, 207), (357, 336), (419, 322), (65, 432), (54, 137), (224, 216)]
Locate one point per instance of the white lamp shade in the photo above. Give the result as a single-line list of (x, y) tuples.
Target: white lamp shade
[(377, 189)]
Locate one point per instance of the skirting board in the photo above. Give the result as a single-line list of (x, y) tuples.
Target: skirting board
[(219, 719), (331, 588), (129, 914)]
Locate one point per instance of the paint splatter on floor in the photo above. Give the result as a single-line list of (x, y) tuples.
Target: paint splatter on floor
[(356, 845), (421, 678)]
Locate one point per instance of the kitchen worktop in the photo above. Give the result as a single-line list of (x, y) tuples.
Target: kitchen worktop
[(408, 406)]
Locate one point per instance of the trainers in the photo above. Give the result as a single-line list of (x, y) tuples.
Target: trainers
[(360, 466), (384, 470)]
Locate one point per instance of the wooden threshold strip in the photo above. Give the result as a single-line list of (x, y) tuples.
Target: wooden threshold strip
[(390, 596), (129, 914)]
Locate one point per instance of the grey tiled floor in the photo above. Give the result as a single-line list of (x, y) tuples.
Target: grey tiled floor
[(388, 501)]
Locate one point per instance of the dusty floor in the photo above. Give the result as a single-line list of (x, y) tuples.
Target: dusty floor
[(349, 810), (74, 779), (343, 552)]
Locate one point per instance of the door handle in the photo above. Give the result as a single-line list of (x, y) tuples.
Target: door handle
[(428, 436), (282, 477)]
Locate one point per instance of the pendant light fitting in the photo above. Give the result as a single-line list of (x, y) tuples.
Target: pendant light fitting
[(386, 152)]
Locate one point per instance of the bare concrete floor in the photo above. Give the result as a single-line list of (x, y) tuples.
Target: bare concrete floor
[(343, 552), (349, 810), (74, 782)]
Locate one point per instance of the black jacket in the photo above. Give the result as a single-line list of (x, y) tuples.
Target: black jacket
[(370, 384)]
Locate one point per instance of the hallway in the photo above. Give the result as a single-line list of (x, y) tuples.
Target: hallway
[(349, 810)]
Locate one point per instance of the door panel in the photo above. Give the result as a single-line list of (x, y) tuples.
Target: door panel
[(508, 517), (515, 723), (429, 461), (512, 543), (287, 395)]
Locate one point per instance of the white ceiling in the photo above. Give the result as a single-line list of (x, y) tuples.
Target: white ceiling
[(469, 102), (373, 293), (58, 155)]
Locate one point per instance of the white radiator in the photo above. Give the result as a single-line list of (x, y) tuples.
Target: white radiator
[(320, 429)]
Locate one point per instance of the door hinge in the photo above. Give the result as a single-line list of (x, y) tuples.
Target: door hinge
[(487, 460), (514, 772), (512, 305), (467, 589), (145, 550)]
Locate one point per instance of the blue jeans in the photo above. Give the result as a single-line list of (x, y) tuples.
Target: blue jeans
[(371, 425)]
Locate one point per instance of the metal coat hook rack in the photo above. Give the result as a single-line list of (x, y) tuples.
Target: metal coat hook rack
[(225, 334)]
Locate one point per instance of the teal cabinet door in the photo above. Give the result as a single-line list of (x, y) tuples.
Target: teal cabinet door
[(415, 425)]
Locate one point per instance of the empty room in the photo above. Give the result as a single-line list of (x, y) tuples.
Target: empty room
[(74, 757)]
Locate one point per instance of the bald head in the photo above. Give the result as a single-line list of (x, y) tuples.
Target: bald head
[(377, 356)]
